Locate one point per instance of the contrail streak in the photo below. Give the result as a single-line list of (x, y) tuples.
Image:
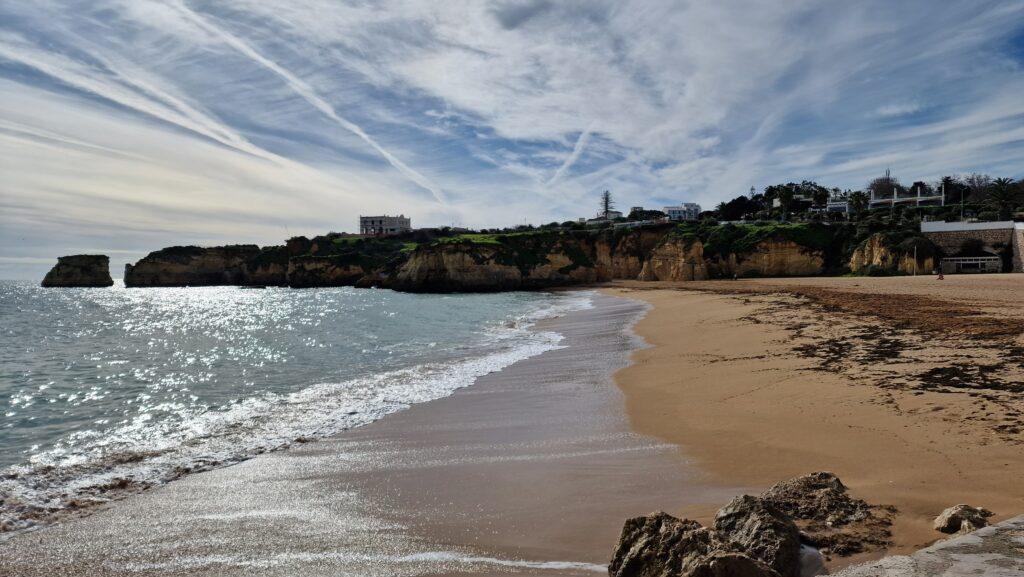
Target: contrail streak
[(308, 94), (577, 150)]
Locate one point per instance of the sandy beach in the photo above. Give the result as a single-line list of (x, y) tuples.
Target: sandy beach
[(908, 388)]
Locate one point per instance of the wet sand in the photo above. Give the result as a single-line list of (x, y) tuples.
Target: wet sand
[(909, 389), (531, 471)]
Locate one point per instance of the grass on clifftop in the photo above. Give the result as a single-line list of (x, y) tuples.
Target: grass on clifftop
[(724, 239)]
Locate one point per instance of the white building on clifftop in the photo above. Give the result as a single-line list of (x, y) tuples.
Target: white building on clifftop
[(685, 211), (384, 225)]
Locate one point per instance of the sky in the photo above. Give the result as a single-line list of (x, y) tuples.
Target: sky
[(130, 125)]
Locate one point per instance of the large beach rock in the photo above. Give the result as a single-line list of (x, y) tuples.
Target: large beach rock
[(80, 270), (727, 564), (828, 517), (764, 533), (660, 545), (962, 519)]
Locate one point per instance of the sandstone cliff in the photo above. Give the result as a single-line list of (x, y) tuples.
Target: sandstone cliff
[(80, 270), (466, 267), (440, 261), (772, 257), (676, 259), (323, 271), (681, 258), (192, 266), (482, 263), (879, 255)]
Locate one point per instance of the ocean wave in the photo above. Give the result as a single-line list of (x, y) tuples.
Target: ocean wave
[(143, 453)]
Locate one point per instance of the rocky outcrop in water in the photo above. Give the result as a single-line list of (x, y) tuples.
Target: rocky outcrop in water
[(962, 519), (192, 266), (80, 270), (878, 255)]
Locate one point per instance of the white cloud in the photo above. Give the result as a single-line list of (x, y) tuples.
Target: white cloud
[(208, 121), (897, 109)]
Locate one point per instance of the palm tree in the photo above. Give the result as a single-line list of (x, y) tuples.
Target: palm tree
[(786, 195), (1003, 196), (859, 201)]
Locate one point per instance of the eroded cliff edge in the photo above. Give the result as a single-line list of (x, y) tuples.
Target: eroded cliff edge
[(442, 261)]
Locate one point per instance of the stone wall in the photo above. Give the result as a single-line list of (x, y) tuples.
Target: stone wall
[(951, 241), (1018, 248)]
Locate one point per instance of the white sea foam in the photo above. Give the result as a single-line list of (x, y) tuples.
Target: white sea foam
[(143, 452), (427, 560)]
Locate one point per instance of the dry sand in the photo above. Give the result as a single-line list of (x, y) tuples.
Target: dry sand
[(910, 389)]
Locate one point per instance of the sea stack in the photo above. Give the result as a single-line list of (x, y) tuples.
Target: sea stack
[(80, 270)]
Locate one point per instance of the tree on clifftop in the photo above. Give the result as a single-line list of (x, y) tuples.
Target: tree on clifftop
[(1003, 196), (859, 201), (884, 186), (607, 205)]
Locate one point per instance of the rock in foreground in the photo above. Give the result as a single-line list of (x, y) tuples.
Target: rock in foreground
[(781, 533), (80, 270), (660, 545), (962, 519), (829, 518), (762, 531)]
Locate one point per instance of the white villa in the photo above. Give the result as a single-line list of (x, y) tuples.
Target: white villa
[(384, 225), (916, 196), (685, 211)]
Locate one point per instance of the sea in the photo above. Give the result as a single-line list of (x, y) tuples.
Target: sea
[(108, 391)]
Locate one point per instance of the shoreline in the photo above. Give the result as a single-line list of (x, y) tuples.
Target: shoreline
[(738, 380), (531, 470)]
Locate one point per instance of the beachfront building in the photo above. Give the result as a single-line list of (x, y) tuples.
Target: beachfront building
[(838, 203), (604, 217), (977, 246), (917, 195), (684, 211), (384, 225)]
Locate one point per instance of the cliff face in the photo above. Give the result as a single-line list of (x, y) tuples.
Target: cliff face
[(269, 267), (192, 266), (437, 261), (683, 259), (622, 254), (874, 254), (524, 263), (676, 259), (322, 271), (451, 268), (772, 257), (80, 270)]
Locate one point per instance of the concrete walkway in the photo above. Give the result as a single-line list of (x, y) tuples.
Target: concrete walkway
[(996, 551)]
